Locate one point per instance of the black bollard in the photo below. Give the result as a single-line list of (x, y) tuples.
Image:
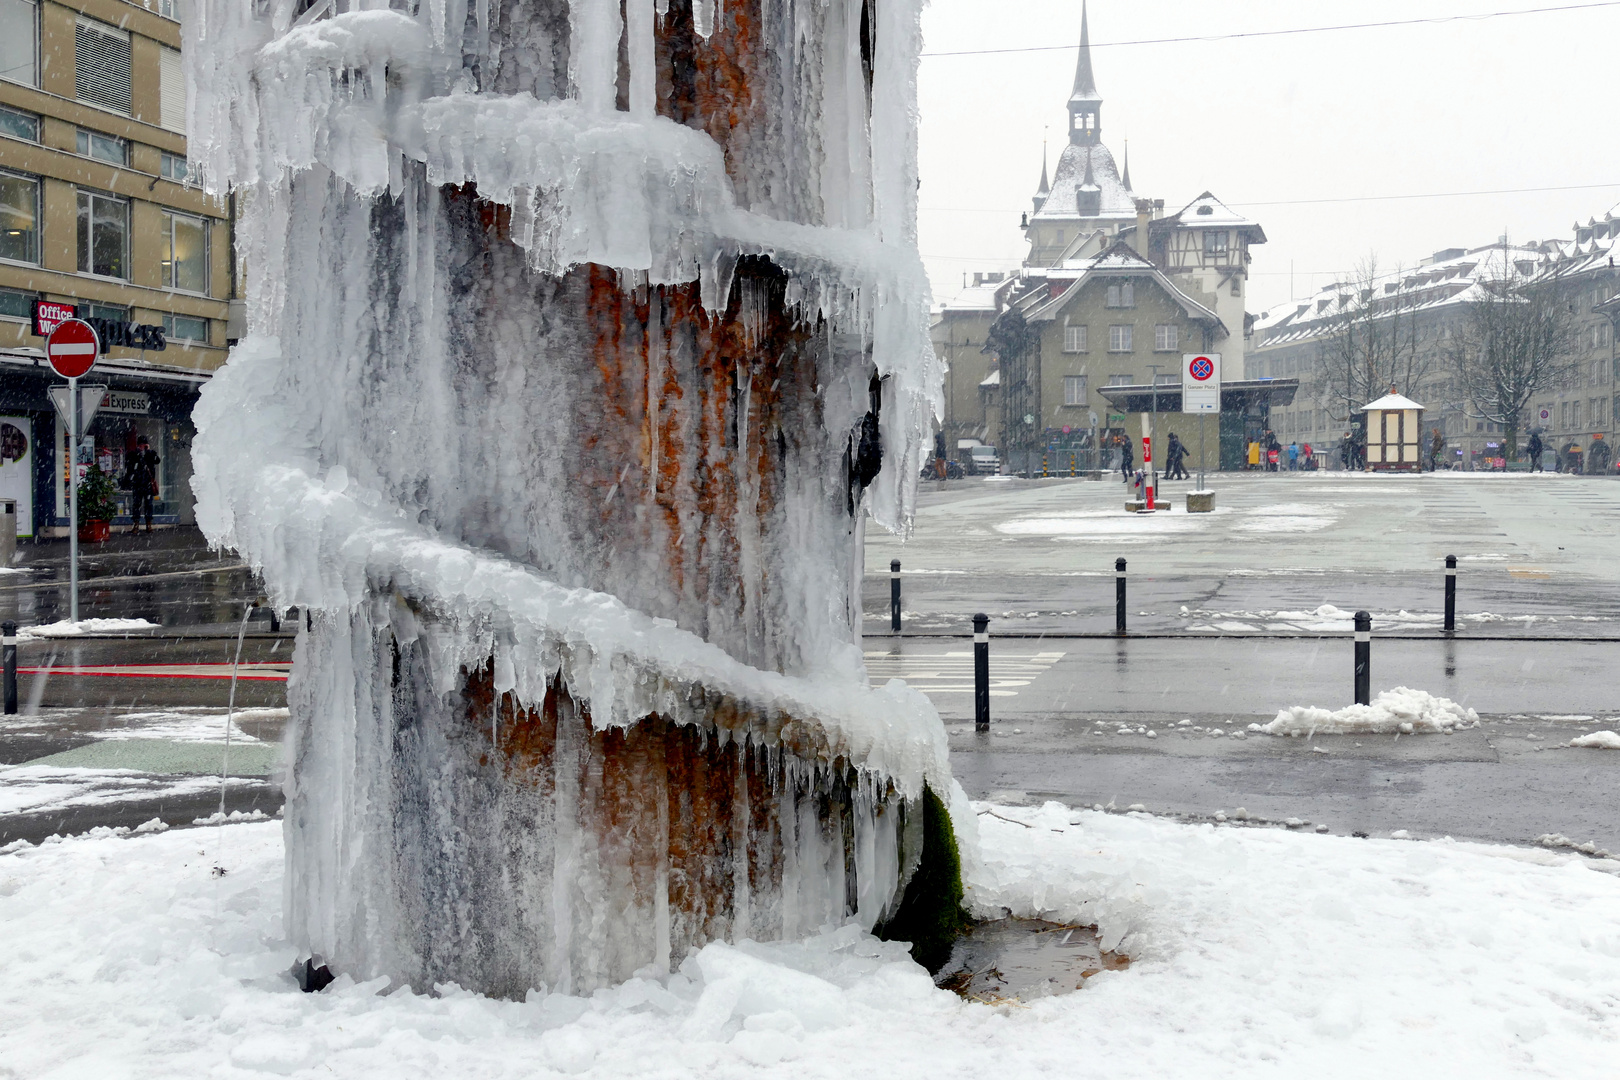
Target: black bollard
[(8, 645), (1451, 594), (1363, 658), (894, 595), (981, 672), (1119, 596)]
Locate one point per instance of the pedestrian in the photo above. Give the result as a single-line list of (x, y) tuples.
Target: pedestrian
[(1293, 457), (1173, 456), (1310, 457), (1273, 451), (1437, 446), (140, 477), (1126, 459), (1534, 448)]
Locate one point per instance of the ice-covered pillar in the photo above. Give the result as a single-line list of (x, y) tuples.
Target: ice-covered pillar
[(581, 344)]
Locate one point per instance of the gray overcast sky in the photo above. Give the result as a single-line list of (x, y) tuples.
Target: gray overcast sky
[(1523, 101)]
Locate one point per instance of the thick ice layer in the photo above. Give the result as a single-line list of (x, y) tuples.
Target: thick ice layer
[(1399, 710)]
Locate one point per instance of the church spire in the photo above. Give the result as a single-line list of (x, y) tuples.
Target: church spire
[(1085, 85), (1045, 186), (1127, 177), (1085, 104)]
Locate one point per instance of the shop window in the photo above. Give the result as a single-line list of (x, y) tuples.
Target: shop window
[(1074, 339), (1119, 338), (19, 125), (19, 218), (185, 253), (1166, 338), (103, 235), (1074, 389), (185, 328), (101, 72), (106, 148), (19, 41), (16, 305), (175, 167)]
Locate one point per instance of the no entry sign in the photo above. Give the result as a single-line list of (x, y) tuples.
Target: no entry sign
[(72, 348)]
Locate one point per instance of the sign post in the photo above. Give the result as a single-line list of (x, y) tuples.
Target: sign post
[(1201, 394), (72, 350)]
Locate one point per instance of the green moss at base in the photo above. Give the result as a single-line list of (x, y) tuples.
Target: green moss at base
[(930, 914)]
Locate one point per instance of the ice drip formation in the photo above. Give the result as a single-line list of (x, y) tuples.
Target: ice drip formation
[(583, 337)]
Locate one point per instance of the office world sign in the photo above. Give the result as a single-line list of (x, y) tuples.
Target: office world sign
[(114, 333)]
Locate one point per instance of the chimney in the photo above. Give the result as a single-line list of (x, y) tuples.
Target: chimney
[(1144, 214)]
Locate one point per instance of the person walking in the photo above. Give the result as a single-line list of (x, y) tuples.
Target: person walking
[(1310, 457), (1273, 451), (1126, 459), (140, 476), (1173, 456), (1437, 447), (1534, 448), (1293, 457)]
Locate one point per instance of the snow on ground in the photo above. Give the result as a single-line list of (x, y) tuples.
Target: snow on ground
[(1256, 952), (186, 725), (1330, 619), (1598, 740), (68, 628), (1399, 710), (32, 789)]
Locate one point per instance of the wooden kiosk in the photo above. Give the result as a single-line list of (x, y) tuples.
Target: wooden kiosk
[(1394, 434)]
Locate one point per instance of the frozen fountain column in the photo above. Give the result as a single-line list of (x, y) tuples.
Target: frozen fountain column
[(638, 18), (593, 59)]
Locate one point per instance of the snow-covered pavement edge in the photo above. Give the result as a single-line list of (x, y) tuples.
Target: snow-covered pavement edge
[(1256, 952)]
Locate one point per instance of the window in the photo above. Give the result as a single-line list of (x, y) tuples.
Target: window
[(103, 235), (1167, 378), (1574, 414), (1074, 389), (1120, 379), (16, 305), (19, 125), (1166, 338), (19, 41), (19, 218), (109, 312), (1123, 295), (1598, 419), (171, 90), (1074, 339), (184, 254), (184, 328), (176, 169), (101, 65), (1214, 242), (1119, 338), (107, 148)]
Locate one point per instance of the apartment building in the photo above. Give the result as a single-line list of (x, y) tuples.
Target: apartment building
[(97, 219)]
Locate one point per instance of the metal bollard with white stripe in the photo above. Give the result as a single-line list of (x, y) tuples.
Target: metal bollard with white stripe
[(1451, 594), (894, 595), (1363, 658), (981, 672), (8, 647), (1119, 596)]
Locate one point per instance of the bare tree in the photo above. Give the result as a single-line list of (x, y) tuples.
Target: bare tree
[(1376, 342), (1516, 340)]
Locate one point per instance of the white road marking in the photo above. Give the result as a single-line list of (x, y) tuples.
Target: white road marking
[(952, 672)]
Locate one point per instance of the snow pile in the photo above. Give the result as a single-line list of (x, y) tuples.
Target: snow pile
[(1400, 710), (1598, 740), (67, 628), (1399, 958)]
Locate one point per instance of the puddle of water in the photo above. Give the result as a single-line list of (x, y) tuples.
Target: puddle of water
[(1010, 960)]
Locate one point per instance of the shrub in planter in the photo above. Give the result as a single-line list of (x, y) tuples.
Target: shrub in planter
[(97, 504)]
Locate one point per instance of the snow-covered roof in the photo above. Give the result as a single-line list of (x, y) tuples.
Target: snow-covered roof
[(1392, 403), (1044, 305), (1063, 203), (986, 296), (1207, 210)]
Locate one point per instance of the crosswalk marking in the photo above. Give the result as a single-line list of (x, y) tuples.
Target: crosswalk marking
[(952, 672)]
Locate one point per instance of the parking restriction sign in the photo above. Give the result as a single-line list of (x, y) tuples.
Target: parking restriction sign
[(1201, 383)]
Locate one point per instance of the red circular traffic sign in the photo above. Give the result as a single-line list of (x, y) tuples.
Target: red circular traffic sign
[(1201, 368), (72, 348)]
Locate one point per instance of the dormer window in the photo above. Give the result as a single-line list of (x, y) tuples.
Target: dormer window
[(1215, 243)]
